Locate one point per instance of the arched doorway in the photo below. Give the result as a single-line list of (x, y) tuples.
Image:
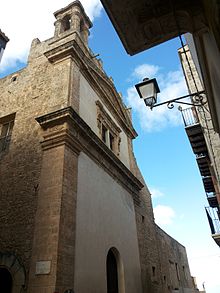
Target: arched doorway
[(5, 281), (12, 274), (112, 273)]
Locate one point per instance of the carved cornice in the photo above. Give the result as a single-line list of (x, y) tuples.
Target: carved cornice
[(143, 24), (65, 126), (57, 131), (64, 50)]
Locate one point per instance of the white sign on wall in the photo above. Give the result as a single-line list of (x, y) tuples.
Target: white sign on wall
[(43, 267)]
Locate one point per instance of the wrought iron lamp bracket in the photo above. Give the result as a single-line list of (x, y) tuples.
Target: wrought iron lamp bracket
[(197, 100)]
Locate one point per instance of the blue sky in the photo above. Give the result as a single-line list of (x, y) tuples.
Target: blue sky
[(162, 149)]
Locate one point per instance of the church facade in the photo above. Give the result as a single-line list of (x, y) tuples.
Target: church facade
[(76, 214)]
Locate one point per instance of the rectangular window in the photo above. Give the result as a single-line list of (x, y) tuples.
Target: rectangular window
[(111, 141), (104, 133), (108, 137), (108, 130), (6, 126)]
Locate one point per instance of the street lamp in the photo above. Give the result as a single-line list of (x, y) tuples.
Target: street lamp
[(148, 90)]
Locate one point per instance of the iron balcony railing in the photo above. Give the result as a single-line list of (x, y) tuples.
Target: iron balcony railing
[(213, 218), (190, 116), (212, 199), (194, 131), (208, 184), (203, 164)]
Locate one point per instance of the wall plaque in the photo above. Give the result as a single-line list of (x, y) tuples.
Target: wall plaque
[(43, 267)]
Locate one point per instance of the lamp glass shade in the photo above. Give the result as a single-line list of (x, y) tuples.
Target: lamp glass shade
[(148, 90), (149, 102)]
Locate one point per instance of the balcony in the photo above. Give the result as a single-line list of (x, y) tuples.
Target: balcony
[(203, 164), (208, 184), (194, 131), (212, 199), (214, 223)]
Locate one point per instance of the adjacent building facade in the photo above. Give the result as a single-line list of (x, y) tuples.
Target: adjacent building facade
[(76, 214), (204, 140)]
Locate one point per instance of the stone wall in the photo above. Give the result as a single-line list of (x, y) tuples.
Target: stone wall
[(211, 136), (175, 272), (159, 253)]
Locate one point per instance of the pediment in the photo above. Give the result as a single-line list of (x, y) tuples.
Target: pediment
[(111, 98)]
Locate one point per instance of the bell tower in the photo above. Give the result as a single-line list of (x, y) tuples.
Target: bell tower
[(72, 18)]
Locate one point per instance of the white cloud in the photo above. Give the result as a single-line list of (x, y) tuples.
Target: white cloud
[(22, 21), (163, 215), (172, 85), (145, 71), (155, 193)]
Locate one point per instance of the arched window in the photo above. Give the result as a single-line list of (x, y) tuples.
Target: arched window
[(115, 272), (5, 281), (66, 23)]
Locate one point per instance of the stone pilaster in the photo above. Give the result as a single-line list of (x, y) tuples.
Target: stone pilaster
[(67, 54), (85, 33), (52, 263), (76, 19), (74, 86)]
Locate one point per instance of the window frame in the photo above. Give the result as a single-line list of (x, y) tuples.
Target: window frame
[(112, 131)]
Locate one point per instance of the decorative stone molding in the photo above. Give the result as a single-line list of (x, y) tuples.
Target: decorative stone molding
[(58, 131), (69, 49), (65, 126), (108, 93), (145, 24)]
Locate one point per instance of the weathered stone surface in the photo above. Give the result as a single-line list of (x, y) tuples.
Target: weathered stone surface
[(62, 188)]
